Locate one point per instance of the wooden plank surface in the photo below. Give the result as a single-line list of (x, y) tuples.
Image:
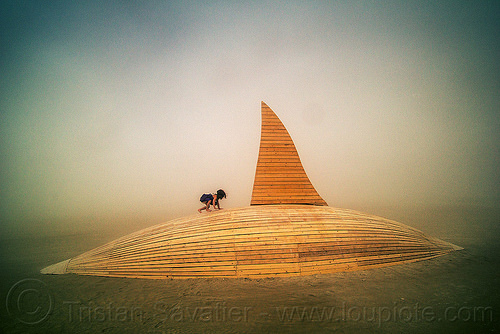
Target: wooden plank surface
[(260, 241), (278, 156)]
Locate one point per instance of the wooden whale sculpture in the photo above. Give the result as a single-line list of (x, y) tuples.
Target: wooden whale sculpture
[(288, 230)]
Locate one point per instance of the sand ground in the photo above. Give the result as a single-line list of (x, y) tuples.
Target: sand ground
[(457, 293)]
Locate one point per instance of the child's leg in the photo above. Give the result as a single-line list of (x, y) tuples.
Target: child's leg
[(206, 207), (202, 208)]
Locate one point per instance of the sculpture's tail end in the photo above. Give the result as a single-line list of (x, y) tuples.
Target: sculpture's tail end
[(56, 269)]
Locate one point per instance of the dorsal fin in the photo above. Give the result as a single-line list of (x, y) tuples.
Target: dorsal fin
[(280, 177)]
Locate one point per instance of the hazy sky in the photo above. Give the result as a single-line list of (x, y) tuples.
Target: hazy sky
[(118, 108)]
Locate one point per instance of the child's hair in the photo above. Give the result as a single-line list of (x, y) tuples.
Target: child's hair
[(221, 194)]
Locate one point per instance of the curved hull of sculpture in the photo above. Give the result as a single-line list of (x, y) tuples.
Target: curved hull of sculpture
[(258, 241)]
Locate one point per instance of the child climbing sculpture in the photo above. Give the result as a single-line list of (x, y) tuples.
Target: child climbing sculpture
[(212, 199)]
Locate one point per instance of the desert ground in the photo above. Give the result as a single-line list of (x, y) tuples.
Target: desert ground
[(456, 293)]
